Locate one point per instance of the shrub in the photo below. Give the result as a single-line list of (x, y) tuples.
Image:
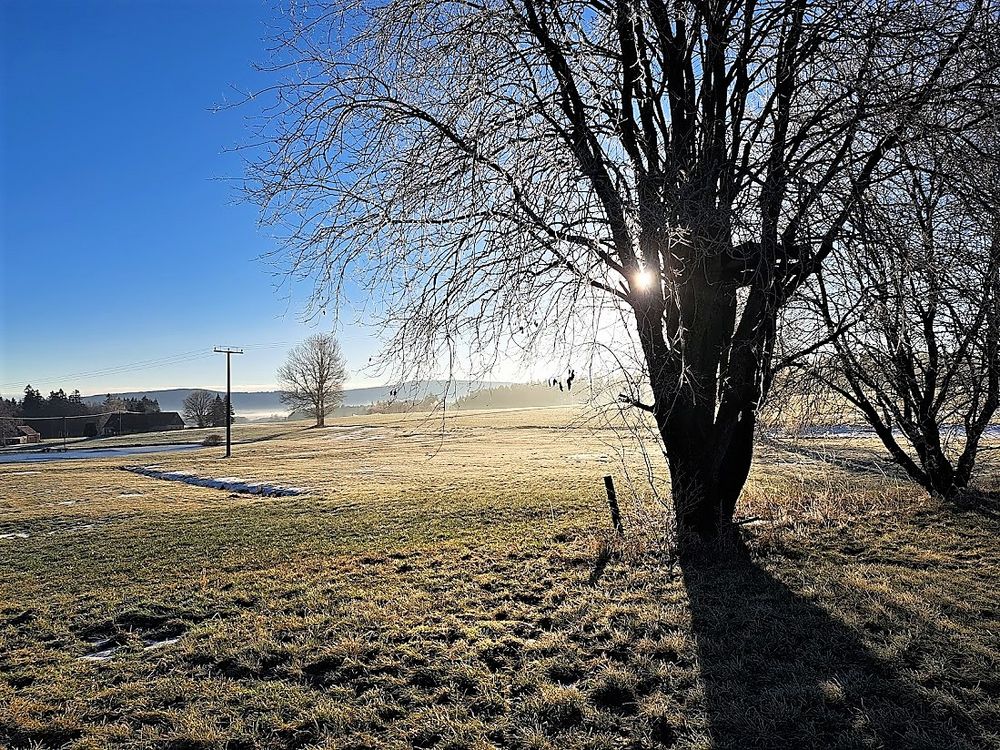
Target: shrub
[(212, 440)]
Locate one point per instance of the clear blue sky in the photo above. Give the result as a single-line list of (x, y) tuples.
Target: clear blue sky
[(120, 240)]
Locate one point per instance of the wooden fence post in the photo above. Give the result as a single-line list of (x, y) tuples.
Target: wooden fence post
[(616, 515)]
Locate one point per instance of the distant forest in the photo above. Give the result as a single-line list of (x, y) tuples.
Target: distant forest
[(58, 404)]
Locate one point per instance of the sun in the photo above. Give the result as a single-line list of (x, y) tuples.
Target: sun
[(644, 280)]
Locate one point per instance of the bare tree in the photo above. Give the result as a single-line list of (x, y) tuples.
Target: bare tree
[(914, 301), (198, 407), (495, 172), (313, 376)]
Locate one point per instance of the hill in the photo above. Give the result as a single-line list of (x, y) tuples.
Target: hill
[(257, 404)]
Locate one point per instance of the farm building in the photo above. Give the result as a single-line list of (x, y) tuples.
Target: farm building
[(18, 434), (128, 423), (73, 427)]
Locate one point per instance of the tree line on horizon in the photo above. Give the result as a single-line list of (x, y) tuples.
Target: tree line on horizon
[(34, 405)]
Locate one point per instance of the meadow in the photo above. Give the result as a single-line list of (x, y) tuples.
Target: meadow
[(455, 584)]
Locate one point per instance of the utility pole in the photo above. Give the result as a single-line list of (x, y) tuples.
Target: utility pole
[(228, 351)]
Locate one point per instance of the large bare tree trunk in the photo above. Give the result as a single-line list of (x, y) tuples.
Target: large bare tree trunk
[(707, 471), (709, 376)]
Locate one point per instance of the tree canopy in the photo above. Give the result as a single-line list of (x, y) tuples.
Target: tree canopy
[(516, 174), (313, 376)]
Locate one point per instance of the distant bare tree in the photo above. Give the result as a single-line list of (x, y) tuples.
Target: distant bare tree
[(7, 408), (198, 407), (914, 301), (498, 171), (313, 376)]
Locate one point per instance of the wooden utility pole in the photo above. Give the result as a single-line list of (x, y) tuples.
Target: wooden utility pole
[(228, 351)]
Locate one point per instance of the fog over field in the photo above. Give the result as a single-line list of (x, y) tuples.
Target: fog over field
[(259, 404)]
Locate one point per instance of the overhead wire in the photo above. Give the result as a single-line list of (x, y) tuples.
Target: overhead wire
[(172, 359), (117, 369), (74, 416)]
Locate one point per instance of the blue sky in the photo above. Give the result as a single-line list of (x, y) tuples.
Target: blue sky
[(120, 239)]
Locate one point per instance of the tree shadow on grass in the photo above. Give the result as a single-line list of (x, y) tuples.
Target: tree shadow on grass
[(985, 503), (779, 672)]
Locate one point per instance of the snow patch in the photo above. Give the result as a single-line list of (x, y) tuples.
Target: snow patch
[(49, 454), (79, 527), (106, 648), (154, 644), (231, 484), (357, 433), (100, 655), (60, 529)]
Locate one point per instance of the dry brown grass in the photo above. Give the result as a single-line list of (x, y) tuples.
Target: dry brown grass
[(456, 586)]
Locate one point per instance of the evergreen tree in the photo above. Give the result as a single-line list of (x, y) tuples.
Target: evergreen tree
[(219, 412), (57, 404), (32, 405), (148, 405), (76, 406)]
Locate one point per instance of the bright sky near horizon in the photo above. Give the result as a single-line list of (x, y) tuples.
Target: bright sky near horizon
[(121, 242)]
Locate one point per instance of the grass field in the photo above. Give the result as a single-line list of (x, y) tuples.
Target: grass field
[(453, 585)]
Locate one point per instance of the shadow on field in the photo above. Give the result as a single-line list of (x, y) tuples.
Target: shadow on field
[(275, 436), (981, 503), (779, 672)]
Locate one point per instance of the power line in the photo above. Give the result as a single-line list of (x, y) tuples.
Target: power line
[(114, 370), (74, 416), (172, 359)]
